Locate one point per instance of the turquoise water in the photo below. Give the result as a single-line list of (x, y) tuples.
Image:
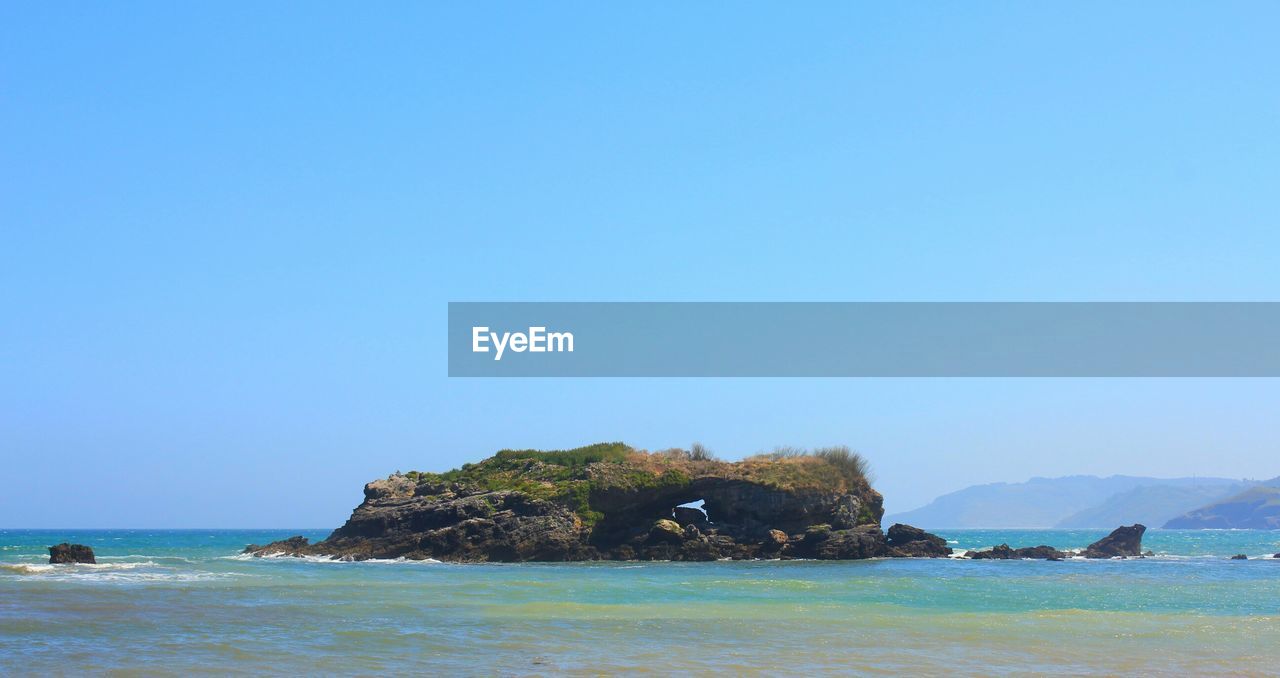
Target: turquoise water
[(183, 601)]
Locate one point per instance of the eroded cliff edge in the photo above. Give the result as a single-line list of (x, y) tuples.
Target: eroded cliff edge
[(612, 502)]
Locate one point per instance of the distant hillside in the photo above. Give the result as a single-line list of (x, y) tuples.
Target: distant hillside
[(1048, 502), (1154, 504), (1257, 508)]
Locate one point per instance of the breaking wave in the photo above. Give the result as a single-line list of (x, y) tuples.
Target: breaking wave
[(284, 557)]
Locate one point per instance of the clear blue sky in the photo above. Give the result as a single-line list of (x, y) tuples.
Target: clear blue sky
[(230, 232)]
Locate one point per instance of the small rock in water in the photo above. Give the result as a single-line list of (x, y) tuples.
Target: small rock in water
[(71, 553), (1003, 552), (1239, 556), (1123, 541), (293, 546), (905, 541)]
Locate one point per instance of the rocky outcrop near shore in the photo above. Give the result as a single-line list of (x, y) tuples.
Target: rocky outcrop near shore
[(611, 502), (1004, 552), (905, 541), (1123, 542), (71, 553)]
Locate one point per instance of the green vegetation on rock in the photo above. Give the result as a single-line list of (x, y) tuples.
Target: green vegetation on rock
[(580, 456), (572, 477)]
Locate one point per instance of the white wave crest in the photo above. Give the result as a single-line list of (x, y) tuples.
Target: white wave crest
[(70, 568), (147, 571), (285, 557)]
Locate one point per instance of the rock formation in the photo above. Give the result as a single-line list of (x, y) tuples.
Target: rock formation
[(1122, 542), (1239, 556), (905, 541), (1003, 552), (611, 502), (71, 553)]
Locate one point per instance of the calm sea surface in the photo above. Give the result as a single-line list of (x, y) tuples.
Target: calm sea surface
[(184, 601)]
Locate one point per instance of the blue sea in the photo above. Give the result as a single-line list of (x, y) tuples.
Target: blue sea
[(187, 601)]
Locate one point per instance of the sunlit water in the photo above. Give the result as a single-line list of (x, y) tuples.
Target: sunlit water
[(181, 601)]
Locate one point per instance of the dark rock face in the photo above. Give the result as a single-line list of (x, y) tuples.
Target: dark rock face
[(486, 526), (71, 553), (905, 541), (824, 543), (1003, 552), (1042, 552), (282, 547), (735, 504), (775, 540), (512, 527), (626, 509), (1122, 542)]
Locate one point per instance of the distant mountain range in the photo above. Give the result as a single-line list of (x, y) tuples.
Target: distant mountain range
[(1084, 502), (1255, 508), (1155, 504)]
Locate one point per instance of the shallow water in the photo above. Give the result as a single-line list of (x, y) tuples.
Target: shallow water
[(182, 601)]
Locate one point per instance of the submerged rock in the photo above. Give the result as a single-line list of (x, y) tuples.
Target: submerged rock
[(71, 553), (1041, 552), (1239, 556), (1003, 552), (1122, 542), (612, 502), (285, 547)]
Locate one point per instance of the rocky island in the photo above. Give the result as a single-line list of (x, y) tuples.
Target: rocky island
[(612, 502), (64, 553)]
